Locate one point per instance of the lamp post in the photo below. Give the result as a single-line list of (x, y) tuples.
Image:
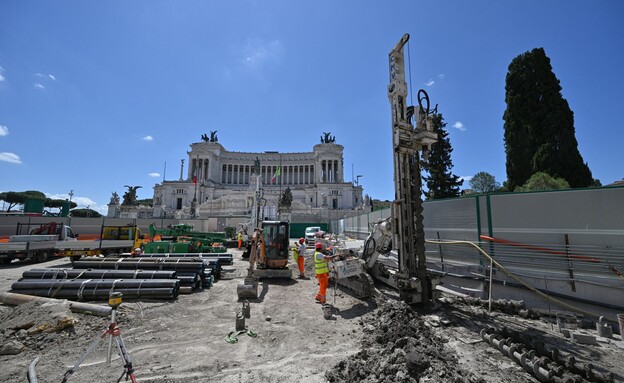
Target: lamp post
[(357, 180)]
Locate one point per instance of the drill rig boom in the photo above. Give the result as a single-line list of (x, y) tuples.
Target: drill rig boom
[(408, 142)]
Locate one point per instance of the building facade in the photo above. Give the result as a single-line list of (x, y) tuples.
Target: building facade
[(218, 182)]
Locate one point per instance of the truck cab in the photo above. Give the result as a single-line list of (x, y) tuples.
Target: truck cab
[(129, 232), (59, 231)]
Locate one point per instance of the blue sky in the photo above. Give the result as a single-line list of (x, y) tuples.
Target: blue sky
[(95, 95)]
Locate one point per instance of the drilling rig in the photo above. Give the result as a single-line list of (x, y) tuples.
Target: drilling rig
[(394, 252)]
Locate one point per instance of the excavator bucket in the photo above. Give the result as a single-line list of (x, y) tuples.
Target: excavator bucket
[(248, 289)]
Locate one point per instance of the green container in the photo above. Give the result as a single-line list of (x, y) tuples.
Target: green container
[(33, 206), (65, 208)]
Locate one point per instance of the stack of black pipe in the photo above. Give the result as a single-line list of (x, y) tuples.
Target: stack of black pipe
[(99, 289), (192, 280), (212, 269), (182, 266), (223, 258)]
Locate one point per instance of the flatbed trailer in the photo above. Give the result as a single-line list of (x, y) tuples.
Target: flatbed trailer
[(94, 247)]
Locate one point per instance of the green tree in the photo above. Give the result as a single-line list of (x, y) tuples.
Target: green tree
[(85, 213), (543, 181), (145, 201), (58, 203), (378, 204), (440, 181), (19, 198), (13, 199), (539, 125), (484, 182), (596, 183)]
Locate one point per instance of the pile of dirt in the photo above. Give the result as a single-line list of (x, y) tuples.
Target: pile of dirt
[(37, 326), (399, 347)]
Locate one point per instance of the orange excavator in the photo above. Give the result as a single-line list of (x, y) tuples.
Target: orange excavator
[(267, 249)]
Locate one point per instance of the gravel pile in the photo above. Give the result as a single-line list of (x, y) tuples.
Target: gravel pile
[(399, 347)]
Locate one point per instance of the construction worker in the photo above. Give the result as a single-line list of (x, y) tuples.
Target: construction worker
[(322, 271), (298, 254), (136, 252), (240, 239)]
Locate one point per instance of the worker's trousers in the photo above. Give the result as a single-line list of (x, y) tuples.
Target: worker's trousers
[(240, 243), (323, 280), (300, 261)]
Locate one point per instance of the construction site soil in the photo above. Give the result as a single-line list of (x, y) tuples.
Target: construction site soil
[(380, 339)]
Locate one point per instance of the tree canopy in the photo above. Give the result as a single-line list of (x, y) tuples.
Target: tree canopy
[(539, 125), (543, 181), (19, 198), (440, 181), (85, 213), (484, 182)]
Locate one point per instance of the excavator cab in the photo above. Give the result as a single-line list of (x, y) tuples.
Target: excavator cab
[(275, 244), (268, 257)]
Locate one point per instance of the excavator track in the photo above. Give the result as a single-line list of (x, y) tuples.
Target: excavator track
[(360, 286)]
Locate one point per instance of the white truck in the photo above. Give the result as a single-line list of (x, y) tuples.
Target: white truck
[(39, 243), (57, 239)]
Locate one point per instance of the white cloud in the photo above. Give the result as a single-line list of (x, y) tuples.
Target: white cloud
[(459, 126), (441, 76), (256, 53), (10, 157), (148, 138), (39, 86), (1, 74), (4, 131), (41, 75), (82, 202), (429, 83), (154, 175)]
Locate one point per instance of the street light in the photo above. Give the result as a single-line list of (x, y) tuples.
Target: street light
[(357, 180)]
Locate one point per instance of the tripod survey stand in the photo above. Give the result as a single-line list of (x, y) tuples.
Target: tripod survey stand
[(114, 333)]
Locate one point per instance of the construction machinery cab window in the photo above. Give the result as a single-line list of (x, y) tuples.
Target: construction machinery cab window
[(275, 239)]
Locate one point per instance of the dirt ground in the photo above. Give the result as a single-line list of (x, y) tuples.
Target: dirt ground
[(375, 340)]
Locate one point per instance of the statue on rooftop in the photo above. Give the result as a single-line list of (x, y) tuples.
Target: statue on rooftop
[(328, 139), (130, 197), (114, 199), (212, 138)]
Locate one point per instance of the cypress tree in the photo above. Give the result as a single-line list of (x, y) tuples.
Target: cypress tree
[(440, 181), (539, 125)]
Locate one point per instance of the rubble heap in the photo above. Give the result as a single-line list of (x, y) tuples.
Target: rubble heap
[(399, 347)]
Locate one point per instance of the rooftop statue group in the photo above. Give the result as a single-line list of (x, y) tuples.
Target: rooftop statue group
[(212, 138), (328, 139)]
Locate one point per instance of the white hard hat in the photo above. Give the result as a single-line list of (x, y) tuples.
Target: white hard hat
[(138, 249)]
